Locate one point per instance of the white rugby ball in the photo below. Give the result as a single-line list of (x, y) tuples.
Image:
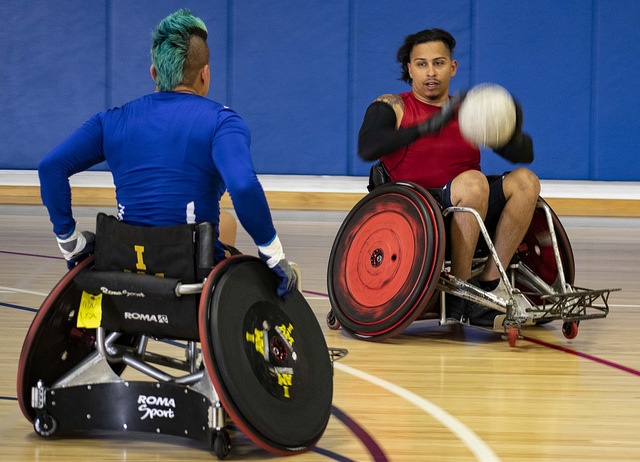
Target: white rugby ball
[(487, 116)]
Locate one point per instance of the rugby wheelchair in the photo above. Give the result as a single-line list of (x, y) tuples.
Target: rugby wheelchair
[(388, 268), (247, 359)]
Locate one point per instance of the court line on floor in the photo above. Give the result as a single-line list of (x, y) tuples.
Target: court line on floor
[(472, 441), (558, 347), (361, 434), (475, 444), (12, 290), (36, 255), (583, 355), (364, 437)]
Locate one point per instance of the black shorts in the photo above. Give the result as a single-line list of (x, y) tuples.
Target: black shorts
[(496, 200)]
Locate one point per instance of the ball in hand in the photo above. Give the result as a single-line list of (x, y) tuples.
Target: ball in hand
[(487, 116)]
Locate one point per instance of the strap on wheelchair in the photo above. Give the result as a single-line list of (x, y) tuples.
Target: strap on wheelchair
[(126, 285)]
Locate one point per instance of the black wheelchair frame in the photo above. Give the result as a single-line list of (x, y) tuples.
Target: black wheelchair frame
[(253, 361)]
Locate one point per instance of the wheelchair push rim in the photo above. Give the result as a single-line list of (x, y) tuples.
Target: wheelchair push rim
[(385, 261), (266, 357)]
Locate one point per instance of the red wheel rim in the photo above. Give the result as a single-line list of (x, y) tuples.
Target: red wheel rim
[(384, 259)]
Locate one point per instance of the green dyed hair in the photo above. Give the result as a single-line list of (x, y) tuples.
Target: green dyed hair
[(170, 46)]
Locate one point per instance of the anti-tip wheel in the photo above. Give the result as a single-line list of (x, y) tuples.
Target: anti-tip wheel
[(332, 321), (570, 329), (512, 336), (222, 444), (45, 425)]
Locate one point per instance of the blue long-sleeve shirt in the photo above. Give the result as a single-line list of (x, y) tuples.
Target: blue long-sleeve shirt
[(172, 155)]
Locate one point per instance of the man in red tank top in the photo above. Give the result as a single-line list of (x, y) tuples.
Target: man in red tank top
[(417, 138)]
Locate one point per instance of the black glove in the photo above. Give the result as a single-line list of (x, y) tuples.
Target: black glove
[(435, 123), (288, 277), (519, 149), (519, 119), (76, 246)]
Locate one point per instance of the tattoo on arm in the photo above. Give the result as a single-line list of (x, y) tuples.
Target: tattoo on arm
[(396, 103), (392, 100)]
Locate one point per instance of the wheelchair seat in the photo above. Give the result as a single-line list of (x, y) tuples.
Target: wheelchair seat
[(249, 358)]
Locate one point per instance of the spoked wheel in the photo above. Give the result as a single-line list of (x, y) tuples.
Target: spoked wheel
[(54, 344), (386, 260), (537, 253), (266, 357)]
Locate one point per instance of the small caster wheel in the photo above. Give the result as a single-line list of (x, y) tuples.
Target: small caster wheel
[(570, 329), (512, 336), (332, 321), (45, 425), (221, 444)]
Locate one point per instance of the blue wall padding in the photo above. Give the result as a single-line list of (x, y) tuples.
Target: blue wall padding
[(616, 92), (289, 81), (303, 73)]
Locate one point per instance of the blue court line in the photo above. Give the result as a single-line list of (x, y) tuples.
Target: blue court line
[(18, 307), (331, 455)]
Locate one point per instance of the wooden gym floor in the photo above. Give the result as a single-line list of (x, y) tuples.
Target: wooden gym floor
[(432, 393)]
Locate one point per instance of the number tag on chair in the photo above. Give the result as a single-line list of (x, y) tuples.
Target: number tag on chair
[(90, 311)]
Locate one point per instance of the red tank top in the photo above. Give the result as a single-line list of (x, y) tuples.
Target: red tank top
[(432, 160)]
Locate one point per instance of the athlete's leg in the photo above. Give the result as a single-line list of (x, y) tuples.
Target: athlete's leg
[(469, 189), (521, 190), (228, 227)]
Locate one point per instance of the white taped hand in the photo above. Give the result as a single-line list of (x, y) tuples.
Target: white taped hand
[(273, 255), (76, 246)]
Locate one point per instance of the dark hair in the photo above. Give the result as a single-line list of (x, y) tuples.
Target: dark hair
[(424, 36)]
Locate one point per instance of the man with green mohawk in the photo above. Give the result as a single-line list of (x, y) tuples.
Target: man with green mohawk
[(172, 154)]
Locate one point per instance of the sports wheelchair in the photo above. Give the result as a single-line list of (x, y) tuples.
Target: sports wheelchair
[(388, 268), (252, 361)]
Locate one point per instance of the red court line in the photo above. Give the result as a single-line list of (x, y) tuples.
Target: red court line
[(583, 355), (602, 361)]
